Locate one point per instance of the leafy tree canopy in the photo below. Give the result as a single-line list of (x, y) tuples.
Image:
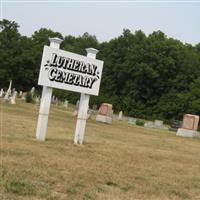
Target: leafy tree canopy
[(145, 76)]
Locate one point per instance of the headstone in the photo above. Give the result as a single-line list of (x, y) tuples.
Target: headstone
[(120, 117), (37, 99), (56, 101), (89, 114), (13, 97), (94, 107), (131, 120), (189, 126), (53, 99), (65, 104), (105, 113), (32, 91), (1, 92), (24, 96), (77, 105), (149, 124), (8, 93), (13, 91), (75, 113), (158, 124), (20, 94)]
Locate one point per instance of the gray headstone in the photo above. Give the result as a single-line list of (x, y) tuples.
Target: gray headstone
[(131, 120), (149, 124), (158, 124), (24, 96), (77, 105), (94, 107), (1, 92), (37, 100), (56, 101), (32, 90), (13, 97), (65, 104), (20, 94), (53, 99), (13, 91), (120, 117)]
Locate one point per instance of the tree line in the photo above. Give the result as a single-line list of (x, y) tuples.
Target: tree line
[(146, 76)]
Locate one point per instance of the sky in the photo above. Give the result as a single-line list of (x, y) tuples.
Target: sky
[(106, 19)]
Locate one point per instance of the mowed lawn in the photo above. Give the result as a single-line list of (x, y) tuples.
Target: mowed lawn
[(116, 162)]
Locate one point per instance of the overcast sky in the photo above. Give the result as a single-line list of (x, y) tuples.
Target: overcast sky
[(106, 20)]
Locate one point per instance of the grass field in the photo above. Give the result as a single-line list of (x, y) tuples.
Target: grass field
[(116, 162)]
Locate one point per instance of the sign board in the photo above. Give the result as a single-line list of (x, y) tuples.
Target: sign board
[(69, 71)]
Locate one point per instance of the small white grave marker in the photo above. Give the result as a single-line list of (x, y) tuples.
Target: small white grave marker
[(8, 93), (20, 94), (149, 124), (158, 124), (37, 99), (13, 97), (120, 117), (32, 91), (1, 92), (131, 120), (65, 104)]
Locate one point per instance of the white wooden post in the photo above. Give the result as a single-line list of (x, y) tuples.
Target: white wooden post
[(45, 101), (83, 107)]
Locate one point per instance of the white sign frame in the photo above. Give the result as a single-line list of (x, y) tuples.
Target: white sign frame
[(69, 71)]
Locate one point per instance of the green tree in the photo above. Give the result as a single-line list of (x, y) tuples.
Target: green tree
[(145, 76), (9, 43)]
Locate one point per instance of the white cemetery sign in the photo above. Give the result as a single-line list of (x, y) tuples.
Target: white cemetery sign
[(68, 71)]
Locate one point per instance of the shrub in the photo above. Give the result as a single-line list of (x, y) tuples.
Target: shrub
[(139, 122), (29, 98)]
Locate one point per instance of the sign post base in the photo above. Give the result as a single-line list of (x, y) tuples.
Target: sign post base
[(81, 120), (43, 113)]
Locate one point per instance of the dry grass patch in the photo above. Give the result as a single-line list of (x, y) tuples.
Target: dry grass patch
[(117, 161)]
